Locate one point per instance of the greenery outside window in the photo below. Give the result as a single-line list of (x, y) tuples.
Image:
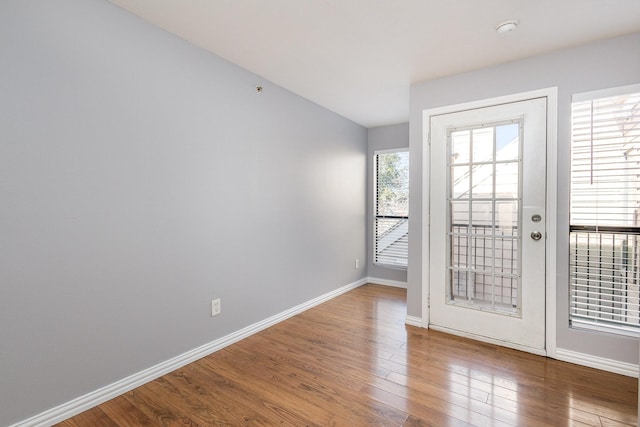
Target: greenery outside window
[(391, 206)]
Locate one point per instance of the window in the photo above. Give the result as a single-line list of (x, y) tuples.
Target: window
[(605, 211), (391, 208)]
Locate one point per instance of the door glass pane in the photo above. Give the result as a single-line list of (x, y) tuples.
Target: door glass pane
[(482, 145), (483, 289), (459, 216), (485, 198), (460, 147), (507, 218), (460, 181), (506, 256), (459, 249), (482, 253), (505, 292), (482, 181), (507, 181), (459, 288), (508, 141), (482, 214)]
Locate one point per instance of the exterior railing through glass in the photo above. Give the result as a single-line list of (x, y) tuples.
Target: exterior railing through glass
[(604, 274)]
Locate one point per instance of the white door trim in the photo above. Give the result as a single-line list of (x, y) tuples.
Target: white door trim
[(551, 203)]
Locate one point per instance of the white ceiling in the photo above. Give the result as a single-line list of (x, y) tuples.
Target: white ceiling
[(359, 57)]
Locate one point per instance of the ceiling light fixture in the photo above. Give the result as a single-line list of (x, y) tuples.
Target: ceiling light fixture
[(507, 26)]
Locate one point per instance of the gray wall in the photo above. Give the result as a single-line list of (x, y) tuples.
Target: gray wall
[(382, 138), (140, 177), (600, 65)]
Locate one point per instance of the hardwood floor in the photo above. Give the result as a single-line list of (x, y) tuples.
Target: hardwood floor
[(353, 362)]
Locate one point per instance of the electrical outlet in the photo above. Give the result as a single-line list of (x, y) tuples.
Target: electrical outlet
[(215, 307), (357, 263)]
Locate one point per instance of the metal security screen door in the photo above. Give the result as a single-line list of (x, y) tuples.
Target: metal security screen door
[(489, 282)]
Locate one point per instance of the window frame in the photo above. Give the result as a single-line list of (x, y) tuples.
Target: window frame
[(576, 321), (375, 215)]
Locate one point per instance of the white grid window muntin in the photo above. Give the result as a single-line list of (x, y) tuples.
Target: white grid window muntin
[(484, 204)]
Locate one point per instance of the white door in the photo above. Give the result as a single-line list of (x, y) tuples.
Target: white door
[(487, 230)]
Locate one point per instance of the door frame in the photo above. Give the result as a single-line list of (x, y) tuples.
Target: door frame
[(551, 94)]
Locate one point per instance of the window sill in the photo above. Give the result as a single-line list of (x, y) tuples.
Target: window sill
[(391, 266), (586, 325)]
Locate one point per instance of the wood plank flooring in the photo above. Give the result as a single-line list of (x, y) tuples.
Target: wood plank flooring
[(353, 362)]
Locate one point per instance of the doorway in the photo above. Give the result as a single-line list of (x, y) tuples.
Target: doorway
[(488, 223)]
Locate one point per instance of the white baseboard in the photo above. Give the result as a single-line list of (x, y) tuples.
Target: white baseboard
[(490, 340), (413, 321), (386, 282), (610, 365), (94, 398)]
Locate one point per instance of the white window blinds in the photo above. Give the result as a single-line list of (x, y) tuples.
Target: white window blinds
[(605, 211), (391, 228)]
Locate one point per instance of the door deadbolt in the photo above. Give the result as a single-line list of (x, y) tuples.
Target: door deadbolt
[(536, 218), (536, 235)]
